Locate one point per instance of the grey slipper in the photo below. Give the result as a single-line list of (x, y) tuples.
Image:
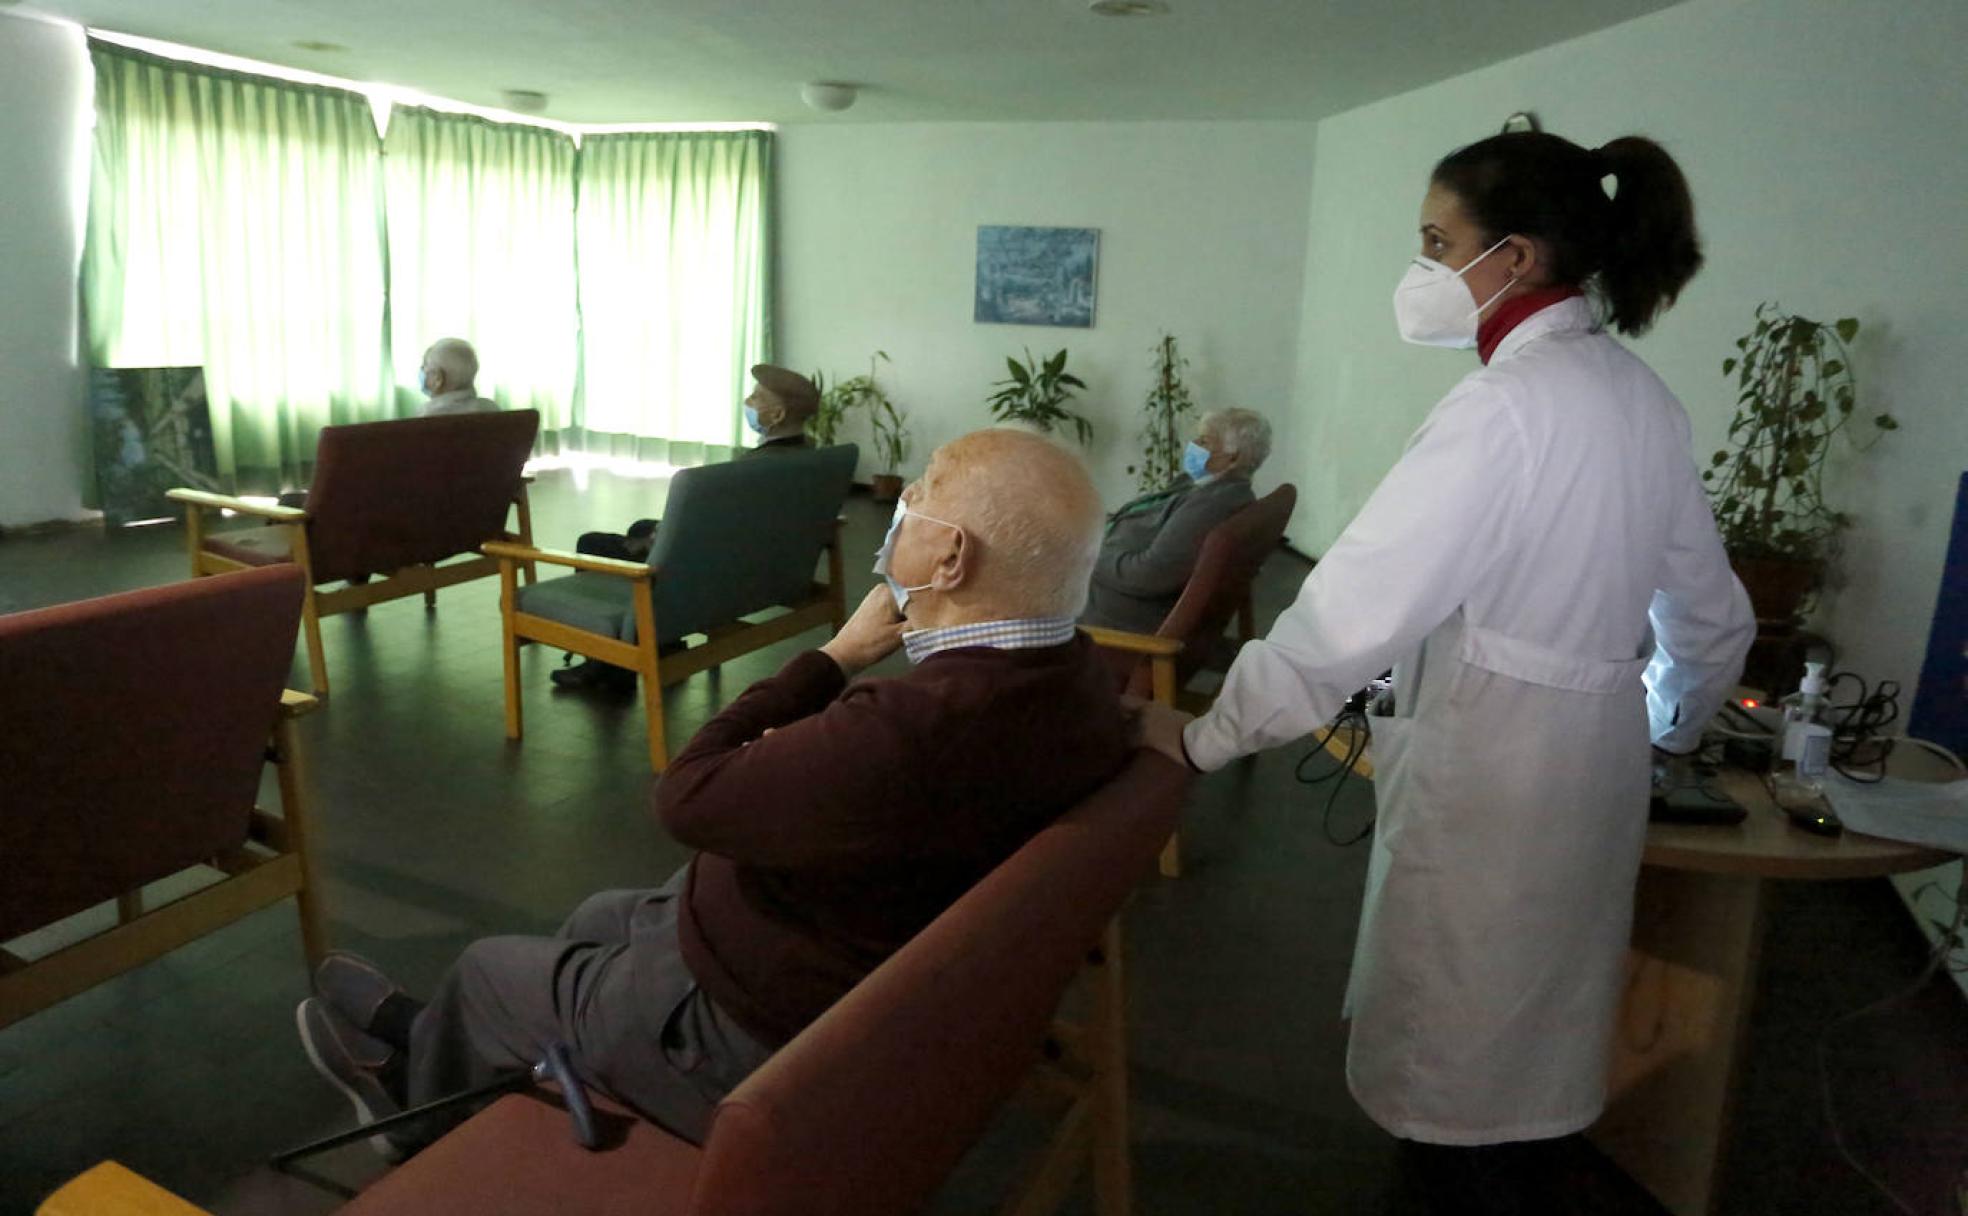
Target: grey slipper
[(353, 1063), (355, 988)]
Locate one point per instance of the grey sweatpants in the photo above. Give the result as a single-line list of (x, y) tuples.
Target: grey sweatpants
[(612, 986)]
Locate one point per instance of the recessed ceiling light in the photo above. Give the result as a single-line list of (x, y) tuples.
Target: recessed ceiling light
[(1129, 8), (326, 48), (828, 95), (525, 101)]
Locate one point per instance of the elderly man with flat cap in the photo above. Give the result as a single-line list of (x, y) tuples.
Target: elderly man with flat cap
[(833, 818), (777, 412)]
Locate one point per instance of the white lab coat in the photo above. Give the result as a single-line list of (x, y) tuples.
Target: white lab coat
[(1541, 550)]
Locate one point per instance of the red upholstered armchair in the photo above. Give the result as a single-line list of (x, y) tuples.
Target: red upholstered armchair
[(388, 498), (137, 728), (1218, 589)]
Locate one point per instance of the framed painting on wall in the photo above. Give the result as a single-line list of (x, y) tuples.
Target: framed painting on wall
[(1036, 276)]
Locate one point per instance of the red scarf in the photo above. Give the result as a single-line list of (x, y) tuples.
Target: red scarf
[(1512, 312)]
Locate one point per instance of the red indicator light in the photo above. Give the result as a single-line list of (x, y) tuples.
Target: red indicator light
[(1749, 703)]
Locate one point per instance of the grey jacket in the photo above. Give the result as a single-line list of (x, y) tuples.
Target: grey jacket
[(1151, 549)]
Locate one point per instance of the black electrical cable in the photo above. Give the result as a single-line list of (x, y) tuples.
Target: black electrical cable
[(1342, 771), (1859, 743)]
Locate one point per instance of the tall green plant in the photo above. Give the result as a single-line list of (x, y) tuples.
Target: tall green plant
[(1795, 391), (891, 429), (1168, 408), (1036, 393), (888, 421), (825, 424)]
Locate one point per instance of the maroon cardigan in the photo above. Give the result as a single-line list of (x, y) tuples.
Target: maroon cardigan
[(868, 810)]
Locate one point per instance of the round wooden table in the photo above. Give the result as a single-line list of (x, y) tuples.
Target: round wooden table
[(1699, 915)]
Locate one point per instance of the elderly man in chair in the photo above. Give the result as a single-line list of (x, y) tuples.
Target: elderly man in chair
[(834, 819), (1152, 543), (450, 380), (777, 411)]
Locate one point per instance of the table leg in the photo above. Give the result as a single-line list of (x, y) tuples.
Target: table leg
[(1691, 977)]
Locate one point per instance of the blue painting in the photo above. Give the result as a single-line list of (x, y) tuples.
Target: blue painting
[(1036, 276)]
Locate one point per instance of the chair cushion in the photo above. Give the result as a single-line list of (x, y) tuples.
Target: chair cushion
[(253, 546), (519, 1156), (595, 603)]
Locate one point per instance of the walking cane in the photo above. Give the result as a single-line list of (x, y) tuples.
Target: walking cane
[(558, 1067)]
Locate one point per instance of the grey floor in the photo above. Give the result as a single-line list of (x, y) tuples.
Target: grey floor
[(432, 830)]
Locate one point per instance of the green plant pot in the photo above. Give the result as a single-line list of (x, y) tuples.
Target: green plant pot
[(1776, 586)]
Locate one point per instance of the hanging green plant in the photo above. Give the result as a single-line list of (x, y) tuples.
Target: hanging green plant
[(1036, 394), (1168, 408), (1795, 391)]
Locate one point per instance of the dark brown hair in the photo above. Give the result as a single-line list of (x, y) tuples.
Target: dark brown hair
[(1636, 250)]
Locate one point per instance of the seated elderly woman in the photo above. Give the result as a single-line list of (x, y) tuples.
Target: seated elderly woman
[(1152, 542)]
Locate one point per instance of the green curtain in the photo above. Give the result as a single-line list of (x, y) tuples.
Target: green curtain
[(674, 239), (481, 247), (235, 222)]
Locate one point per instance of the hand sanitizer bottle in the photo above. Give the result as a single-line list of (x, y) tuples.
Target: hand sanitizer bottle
[(1797, 776)]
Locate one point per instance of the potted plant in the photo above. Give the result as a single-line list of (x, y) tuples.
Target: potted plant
[(890, 424), (825, 424), (891, 446), (1168, 407), (1036, 395), (1795, 391)]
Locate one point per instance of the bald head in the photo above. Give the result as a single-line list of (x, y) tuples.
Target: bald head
[(1031, 512), (449, 365)]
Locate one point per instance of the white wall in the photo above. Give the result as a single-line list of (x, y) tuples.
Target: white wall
[(1202, 233), (44, 106), (1823, 141)]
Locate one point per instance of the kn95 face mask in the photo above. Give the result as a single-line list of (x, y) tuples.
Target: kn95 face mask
[(1433, 305)]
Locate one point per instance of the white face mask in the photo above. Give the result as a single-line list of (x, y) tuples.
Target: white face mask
[(1433, 305), (886, 553)]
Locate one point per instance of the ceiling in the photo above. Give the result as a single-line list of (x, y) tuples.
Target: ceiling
[(917, 60)]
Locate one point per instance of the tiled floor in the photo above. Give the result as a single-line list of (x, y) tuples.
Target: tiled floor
[(432, 830)]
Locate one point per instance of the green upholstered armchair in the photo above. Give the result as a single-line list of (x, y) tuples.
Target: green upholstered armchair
[(737, 541)]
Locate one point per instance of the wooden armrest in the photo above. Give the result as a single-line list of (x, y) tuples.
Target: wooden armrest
[(508, 551), (297, 704), (226, 502), (1133, 643), (109, 1189)]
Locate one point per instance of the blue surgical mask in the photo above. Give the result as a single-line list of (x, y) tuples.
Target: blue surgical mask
[(1195, 461), (887, 551), (752, 420)]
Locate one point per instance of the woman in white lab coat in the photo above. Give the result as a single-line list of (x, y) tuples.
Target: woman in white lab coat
[(1542, 570)]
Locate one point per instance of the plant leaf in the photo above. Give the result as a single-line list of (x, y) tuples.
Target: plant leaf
[(1728, 365), (1848, 328)]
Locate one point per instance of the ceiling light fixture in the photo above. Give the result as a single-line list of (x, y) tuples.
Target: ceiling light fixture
[(828, 95), (1129, 8), (325, 48), (525, 101)]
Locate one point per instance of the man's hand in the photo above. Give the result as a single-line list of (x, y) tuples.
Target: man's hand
[(1159, 728), (870, 635)]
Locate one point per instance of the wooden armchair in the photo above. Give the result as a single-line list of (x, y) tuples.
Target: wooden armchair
[(137, 728), (388, 498), (1218, 589), (737, 540)]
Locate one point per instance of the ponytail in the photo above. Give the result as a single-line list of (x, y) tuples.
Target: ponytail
[(1651, 248), (1635, 248)]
